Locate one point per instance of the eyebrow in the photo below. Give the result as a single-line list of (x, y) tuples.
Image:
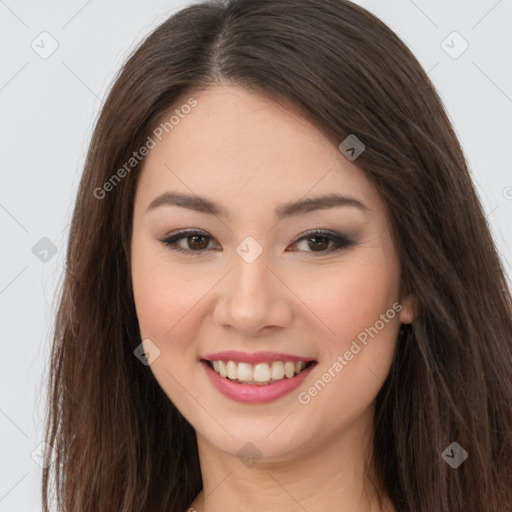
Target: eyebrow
[(303, 206)]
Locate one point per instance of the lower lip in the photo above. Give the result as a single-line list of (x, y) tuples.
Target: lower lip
[(254, 393)]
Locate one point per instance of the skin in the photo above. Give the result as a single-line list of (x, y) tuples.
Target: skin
[(250, 154)]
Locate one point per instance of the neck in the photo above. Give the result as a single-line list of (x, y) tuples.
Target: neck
[(327, 477)]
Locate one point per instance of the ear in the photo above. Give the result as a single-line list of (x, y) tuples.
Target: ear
[(410, 307)]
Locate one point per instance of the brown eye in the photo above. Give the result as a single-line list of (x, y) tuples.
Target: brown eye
[(318, 241), (197, 242)]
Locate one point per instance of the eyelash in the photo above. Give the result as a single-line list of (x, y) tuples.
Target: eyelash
[(340, 240)]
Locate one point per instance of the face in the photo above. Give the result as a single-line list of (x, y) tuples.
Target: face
[(271, 285)]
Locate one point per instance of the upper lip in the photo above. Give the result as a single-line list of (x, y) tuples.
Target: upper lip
[(255, 357)]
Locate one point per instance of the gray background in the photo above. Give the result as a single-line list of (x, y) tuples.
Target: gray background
[(48, 108)]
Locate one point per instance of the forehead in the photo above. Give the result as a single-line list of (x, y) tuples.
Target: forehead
[(239, 146)]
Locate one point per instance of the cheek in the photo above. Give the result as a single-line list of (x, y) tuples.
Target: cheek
[(162, 295), (360, 306), (164, 307), (353, 298)]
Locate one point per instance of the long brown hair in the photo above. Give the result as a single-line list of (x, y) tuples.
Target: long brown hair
[(120, 443)]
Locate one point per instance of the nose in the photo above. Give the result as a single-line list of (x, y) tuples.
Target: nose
[(253, 299)]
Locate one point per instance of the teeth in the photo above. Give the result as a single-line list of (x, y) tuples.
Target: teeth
[(299, 366), (222, 369), (289, 369), (277, 370), (245, 371), (232, 370), (261, 373)]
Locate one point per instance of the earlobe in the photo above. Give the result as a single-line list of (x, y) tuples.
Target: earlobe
[(410, 308)]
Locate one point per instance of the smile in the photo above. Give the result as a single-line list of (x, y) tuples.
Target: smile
[(256, 378), (260, 373)]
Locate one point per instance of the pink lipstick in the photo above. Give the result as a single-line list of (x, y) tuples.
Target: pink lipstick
[(260, 392)]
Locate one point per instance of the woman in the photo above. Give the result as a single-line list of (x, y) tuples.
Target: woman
[(281, 291)]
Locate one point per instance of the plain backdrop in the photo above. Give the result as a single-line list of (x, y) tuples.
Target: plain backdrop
[(49, 103)]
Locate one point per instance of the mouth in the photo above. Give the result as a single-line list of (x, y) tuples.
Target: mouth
[(268, 377), (260, 374)]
